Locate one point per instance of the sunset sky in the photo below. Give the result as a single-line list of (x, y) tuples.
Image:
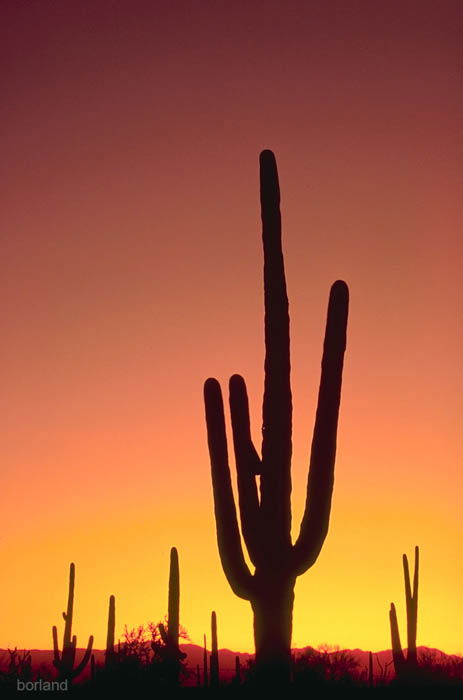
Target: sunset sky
[(132, 271)]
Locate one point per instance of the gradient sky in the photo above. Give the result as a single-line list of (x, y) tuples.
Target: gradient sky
[(132, 271)]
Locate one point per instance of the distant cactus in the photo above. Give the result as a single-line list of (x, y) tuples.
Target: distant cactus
[(237, 677), (110, 654), (214, 653), (406, 667), (205, 670), (370, 669), (64, 664), (266, 516), (170, 636)]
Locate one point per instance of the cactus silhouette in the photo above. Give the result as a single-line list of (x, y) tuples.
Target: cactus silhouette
[(406, 667), (266, 516), (170, 636), (64, 664), (205, 671), (214, 653), (237, 676), (110, 655)]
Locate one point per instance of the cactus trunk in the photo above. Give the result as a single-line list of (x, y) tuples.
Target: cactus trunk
[(237, 670), (110, 653), (273, 612), (170, 636), (205, 669), (214, 653), (266, 515)]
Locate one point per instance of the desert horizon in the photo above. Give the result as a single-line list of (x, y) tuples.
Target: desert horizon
[(231, 272)]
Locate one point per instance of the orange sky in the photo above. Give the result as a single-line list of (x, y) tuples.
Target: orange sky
[(132, 271)]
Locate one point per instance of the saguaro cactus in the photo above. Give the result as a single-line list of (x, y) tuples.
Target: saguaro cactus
[(170, 636), (214, 653), (65, 663), (110, 655), (237, 677), (266, 517), (205, 671), (406, 667)]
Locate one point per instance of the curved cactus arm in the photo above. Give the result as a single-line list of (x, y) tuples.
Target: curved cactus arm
[(67, 616), (316, 517), (397, 653), (228, 535), (163, 633), (56, 656), (85, 659), (277, 402), (248, 464)]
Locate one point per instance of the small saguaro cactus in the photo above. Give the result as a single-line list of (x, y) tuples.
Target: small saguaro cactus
[(110, 655), (205, 669), (214, 653), (170, 636), (237, 677), (64, 663), (406, 667), (264, 481)]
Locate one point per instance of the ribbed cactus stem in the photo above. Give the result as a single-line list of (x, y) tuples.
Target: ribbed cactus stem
[(214, 653), (266, 516), (110, 636)]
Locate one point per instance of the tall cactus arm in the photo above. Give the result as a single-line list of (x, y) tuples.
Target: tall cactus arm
[(415, 577), (412, 605), (316, 517), (248, 464), (85, 659), (277, 402), (397, 653), (70, 608), (228, 535)]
